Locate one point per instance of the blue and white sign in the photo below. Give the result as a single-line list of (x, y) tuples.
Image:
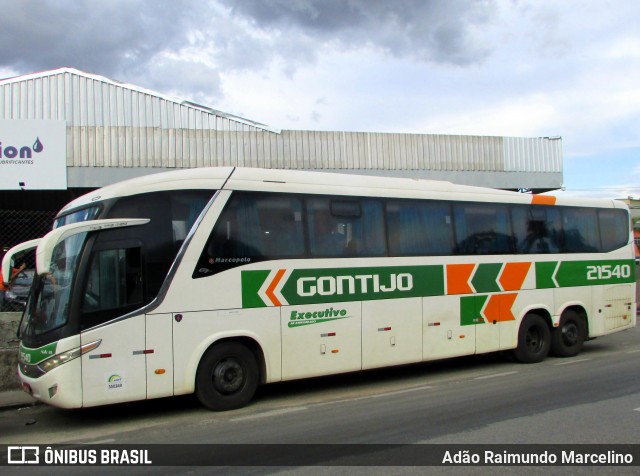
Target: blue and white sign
[(33, 155)]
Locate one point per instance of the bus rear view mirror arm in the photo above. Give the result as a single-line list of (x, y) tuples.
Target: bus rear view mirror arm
[(44, 252)]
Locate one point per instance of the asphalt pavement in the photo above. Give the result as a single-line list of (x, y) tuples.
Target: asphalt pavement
[(15, 399)]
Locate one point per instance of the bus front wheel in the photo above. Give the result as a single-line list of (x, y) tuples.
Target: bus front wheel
[(534, 340), (567, 339), (227, 377)]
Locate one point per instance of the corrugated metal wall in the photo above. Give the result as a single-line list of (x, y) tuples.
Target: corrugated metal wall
[(114, 125)]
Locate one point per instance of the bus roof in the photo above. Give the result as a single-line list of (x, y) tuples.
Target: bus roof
[(316, 182)]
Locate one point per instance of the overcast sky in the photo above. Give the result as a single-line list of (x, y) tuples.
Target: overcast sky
[(526, 68)]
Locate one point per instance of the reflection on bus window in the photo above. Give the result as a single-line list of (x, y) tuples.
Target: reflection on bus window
[(537, 229), (51, 306), (482, 229), (115, 280), (345, 227), (252, 228), (580, 227), (614, 228), (85, 214)]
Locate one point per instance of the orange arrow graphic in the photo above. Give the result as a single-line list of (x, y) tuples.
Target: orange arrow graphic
[(458, 278), (499, 306), (269, 292), (513, 276)]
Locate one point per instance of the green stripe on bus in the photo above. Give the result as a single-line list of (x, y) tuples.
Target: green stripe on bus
[(312, 286), (544, 274), (252, 281), (329, 285), (35, 356), (584, 273), (587, 273)]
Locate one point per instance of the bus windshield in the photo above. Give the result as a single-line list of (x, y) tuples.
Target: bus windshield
[(48, 306), (125, 268), (85, 214)]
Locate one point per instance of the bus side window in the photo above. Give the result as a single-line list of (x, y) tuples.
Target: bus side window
[(281, 226), (253, 227), (580, 230), (482, 229), (345, 227), (536, 229), (114, 287), (172, 214), (614, 228), (419, 228)]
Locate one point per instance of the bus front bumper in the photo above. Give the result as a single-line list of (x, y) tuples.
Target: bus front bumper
[(61, 387)]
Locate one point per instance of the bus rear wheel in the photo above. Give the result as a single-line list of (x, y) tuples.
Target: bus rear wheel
[(227, 377), (567, 339), (534, 340)]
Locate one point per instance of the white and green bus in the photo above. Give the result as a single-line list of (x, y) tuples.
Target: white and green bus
[(217, 280)]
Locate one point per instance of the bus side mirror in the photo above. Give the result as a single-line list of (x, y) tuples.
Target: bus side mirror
[(7, 260)]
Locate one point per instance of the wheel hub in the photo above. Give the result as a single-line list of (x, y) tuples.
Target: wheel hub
[(533, 339), (570, 333), (228, 376)]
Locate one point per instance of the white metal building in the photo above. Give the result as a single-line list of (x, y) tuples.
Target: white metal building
[(116, 130), (70, 131)]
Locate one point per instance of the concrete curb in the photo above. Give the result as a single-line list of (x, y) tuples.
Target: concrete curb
[(11, 396), (9, 345)]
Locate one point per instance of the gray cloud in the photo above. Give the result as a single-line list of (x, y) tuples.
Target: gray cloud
[(97, 36), (428, 30), (129, 40), (184, 46)]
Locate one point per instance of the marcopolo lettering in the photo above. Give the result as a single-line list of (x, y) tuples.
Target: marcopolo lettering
[(357, 284)]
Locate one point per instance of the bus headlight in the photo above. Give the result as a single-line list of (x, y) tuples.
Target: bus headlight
[(64, 357)]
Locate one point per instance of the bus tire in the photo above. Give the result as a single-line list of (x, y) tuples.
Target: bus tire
[(227, 377), (534, 340), (568, 338)]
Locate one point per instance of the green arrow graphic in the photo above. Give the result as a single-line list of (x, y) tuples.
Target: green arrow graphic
[(470, 307), (486, 277)]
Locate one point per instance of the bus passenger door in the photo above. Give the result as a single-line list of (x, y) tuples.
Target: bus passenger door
[(114, 287), (320, 339)]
